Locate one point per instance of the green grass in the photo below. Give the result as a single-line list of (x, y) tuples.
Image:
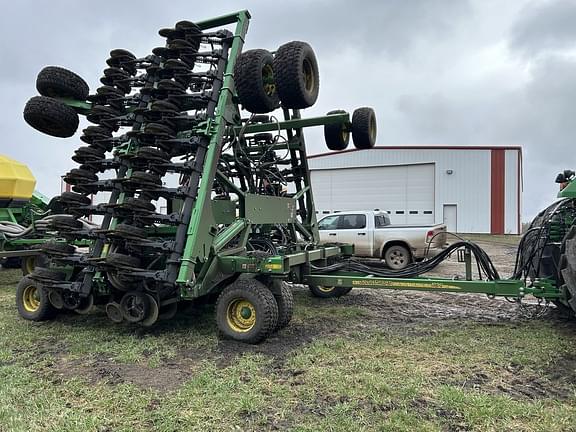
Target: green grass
[(334, 368)]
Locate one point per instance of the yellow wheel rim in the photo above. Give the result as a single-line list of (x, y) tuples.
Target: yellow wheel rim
[(31, 298), (309, 78), (325, 288), (241, 315), (29, 264), (268, 80)]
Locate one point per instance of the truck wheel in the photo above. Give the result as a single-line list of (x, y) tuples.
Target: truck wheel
[(397, 257), (336, 135), (54, 81), (51, 117), (297, 76), (32, 301), (246, 311), (364, 128), (328, 291), (285, 301), (254, 79)]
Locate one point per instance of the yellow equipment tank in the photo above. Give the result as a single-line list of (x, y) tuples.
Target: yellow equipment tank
[(16, 182)]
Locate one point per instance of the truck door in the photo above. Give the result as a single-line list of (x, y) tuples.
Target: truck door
[(327, 229), (352, 228)]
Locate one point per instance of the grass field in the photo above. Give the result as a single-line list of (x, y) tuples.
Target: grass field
[(369, 361)]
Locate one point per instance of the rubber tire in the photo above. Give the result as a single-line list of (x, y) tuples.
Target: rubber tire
[(285, 302), (122, 260), (333, 293), (364, 128), (138, 204), (51, 117), (47, 274), (289, 70), (74, 199), (264, 303), (54, 81), (129, 231), (58, 248), (250, 84), (29, 263), (336, 136), (567, 272), (45, 310), (390, 251), (66, 223)]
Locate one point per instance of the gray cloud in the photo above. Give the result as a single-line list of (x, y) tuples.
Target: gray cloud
[(545, 26), (425, 66)]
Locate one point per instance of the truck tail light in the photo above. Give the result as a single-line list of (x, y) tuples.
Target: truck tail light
[(429, 236)]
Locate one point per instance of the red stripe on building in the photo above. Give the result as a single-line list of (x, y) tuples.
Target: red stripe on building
[(497, 176)]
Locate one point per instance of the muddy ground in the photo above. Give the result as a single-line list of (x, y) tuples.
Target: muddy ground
[(401, 313)]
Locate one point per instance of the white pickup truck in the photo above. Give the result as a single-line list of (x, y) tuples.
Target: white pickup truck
[(374, 236)]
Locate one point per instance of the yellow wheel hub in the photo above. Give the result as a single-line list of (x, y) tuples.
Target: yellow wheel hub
[(31, 298), (309, 78), (29, 264), (241, 315), (268, 80), (325, 288)]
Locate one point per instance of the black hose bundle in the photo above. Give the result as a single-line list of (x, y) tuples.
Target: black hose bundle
[(485, 265)]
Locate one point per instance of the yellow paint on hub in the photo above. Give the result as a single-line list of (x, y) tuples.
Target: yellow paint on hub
[(16, 180)]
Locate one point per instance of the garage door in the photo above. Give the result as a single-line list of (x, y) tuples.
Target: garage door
[(406, 192)]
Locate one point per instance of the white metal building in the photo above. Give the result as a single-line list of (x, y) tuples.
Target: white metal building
[(470, 189)]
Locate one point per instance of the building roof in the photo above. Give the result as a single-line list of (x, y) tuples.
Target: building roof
[(429, 147)]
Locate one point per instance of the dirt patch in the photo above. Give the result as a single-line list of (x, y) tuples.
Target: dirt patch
[(99, 369)]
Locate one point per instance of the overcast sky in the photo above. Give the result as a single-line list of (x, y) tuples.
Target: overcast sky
[(457, 72)]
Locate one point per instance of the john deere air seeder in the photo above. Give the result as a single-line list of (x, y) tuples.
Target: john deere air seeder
[(198, 197)]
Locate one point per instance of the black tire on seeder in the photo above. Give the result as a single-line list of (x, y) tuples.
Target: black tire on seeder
[(336, 135), (254, 79), (328, 292), (285, 301), (567, 272), (297, 76), (246, 310), (32, 301), (51, 117), (54, 81)]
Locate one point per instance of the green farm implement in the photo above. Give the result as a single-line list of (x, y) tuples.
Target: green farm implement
[(199, 152)]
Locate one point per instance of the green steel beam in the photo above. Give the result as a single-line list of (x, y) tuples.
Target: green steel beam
[(295, 123), (194, 251)]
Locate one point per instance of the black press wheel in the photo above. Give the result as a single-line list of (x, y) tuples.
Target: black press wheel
[(364, 128), (328, 291), (246, 311), (285, 301), (254, 79), (32, 301), (51, 117), (336, 135), (297, 76), (54, 81), (397, 257)]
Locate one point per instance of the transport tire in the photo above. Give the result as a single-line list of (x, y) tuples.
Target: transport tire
[(254, 79), (285, 302), (364, 128), (297, 75), (246, 311), (328, 291), (51, 117), (66, 223), (32, 301), (29, 263), (54, 81), (337, 135), (397, 257)]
